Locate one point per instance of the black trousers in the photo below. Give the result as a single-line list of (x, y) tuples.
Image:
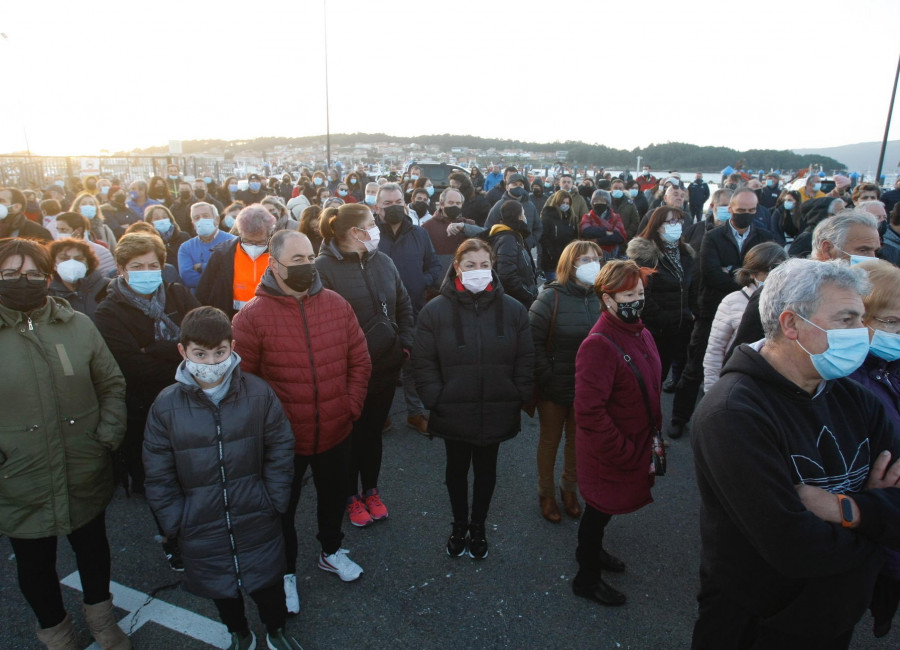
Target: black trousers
[(269, 601), (726, 625), (483, 461), (329, 471), (692, 377), (672, 346), (590, 543), (365, 464), (39, 582)]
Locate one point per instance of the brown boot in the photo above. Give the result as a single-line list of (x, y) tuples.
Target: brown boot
[(550, 510), (103, 626), (570, 503), (58, 637)]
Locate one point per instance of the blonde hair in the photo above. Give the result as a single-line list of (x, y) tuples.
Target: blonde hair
[(885, 280), (565, 268)]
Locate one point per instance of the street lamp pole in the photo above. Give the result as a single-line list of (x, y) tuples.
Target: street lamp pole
[(887, 126), (327, 112)]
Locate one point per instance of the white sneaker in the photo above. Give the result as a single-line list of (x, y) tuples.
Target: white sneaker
[(339, 563), (291, 599)]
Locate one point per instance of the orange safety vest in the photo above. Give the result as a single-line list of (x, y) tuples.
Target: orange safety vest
[(247, 273)]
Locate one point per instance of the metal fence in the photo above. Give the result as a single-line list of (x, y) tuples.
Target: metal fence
[(39, 172)]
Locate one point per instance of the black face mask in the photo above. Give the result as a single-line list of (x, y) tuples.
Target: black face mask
[(200, 194), (537, 190), (630, 312), (523, 228), (393, 214), (22, 294), (184, 195), (518, 193), (300, 277), (452, 212), (599, 208), (742, 221), (420, 208)]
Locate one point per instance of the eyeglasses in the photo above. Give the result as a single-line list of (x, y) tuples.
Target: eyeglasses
[(674, 221), (586, 260), (892, 326), (32, 276)]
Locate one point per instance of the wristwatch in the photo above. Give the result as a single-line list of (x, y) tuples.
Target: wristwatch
[(846, 510)]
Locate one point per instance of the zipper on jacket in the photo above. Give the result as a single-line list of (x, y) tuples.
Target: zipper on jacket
[(30, 324), (312, 367), (224, 478), (478, 356)]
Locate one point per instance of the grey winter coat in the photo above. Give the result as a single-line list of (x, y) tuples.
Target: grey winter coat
[(210, 468)]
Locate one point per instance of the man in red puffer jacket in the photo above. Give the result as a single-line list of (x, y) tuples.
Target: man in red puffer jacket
[(305, 341)]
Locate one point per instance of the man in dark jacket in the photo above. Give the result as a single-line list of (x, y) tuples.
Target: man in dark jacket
[(181, 208), (412, 252), (721, 255), (255, 191), (792, 463), (117, 215), (13, 222), (496, 192), (306, 342), (698, 194), (514, 264), (516, 192), (768, 197)]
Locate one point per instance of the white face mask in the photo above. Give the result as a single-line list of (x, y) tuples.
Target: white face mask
[(254, 250), (374, 237), (476, 281), (587, 273), (71, 270), (208, 373)]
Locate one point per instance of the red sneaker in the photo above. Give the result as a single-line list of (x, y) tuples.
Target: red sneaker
[(377, 509), (359, 516)]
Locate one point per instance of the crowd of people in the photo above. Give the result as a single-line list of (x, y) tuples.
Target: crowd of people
[(203, 345)]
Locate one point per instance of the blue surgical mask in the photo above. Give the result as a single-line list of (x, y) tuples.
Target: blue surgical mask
[(104, 189), (414, 177), (173, 178), (353, 181), (254, 186), (89, 211), (205, 227), (673, 232), (342, 192), (207, 179), (817, 187), (317, 180), (229, 222), (885, 345), (233, 188), (788, 205), (144, 282), (769, 182), (618, 194), (847, 349), (134, 195), (370, 199), (855, 259), (546, 184), (430, 190), (163, 225), (722, 213), (632, 192)]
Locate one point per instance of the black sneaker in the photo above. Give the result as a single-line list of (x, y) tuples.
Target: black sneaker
[(281, 640), (600, 592), (478, 546), (456, 543), (173, 555)]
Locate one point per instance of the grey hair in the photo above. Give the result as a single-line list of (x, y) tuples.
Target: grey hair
[(141, 185), (387, 187), (276, 244), (254, 220), (796, 286), (451, 189), (200, 204), (834, 229), (742, 190)]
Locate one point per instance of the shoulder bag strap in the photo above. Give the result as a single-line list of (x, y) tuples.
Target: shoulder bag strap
[(637, 374)]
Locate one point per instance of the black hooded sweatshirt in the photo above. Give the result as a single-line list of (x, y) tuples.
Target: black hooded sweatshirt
[(756, 435)]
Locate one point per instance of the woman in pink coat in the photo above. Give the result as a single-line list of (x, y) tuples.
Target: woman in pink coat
[(613, 429)]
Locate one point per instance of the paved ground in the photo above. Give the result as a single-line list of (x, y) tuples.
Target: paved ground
[(412, 595)]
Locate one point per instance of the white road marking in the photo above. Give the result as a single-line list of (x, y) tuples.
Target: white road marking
[(160, 612)]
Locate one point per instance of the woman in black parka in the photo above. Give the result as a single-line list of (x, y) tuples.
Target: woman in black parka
[(561, 318), (473, 358), (670, 293)]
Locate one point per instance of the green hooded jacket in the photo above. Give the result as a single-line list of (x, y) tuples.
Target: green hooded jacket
[(62, 413)]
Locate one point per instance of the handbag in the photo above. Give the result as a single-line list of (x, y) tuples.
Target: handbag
[(657, 449), (530, 406)]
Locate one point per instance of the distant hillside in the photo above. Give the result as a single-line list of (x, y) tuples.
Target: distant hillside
[(671, 155), (862, 156)]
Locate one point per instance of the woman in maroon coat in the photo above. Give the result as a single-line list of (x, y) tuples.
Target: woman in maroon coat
[(613, 433)]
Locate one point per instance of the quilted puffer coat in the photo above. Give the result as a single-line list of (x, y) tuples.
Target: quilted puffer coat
[(218, 477), (313, 354)]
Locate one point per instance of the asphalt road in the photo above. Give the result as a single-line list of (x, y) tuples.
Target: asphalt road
[(413, 595)]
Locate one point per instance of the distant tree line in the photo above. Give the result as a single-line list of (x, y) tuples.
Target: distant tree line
[(671, 155)]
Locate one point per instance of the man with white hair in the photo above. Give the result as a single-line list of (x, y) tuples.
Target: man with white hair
[(876, 209), (194, 254), (795, 465), (851, 235)]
